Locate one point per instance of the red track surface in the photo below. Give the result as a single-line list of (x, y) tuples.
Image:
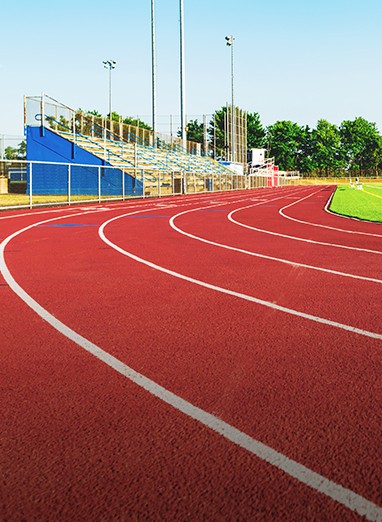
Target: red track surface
[(81, 441)]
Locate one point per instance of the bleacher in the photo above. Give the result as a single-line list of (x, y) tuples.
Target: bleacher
[(160, 159)]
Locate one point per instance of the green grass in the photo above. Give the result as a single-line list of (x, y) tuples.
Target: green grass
[(362, 204), (13, 200)]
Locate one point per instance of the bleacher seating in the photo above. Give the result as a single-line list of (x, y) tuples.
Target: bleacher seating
[(156, 161)]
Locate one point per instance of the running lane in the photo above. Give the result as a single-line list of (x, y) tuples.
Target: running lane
[(305, 214), (259, 228), (306, 389)]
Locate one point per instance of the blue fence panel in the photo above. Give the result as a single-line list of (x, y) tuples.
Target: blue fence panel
[(47, 179), (111, 182), (83, 180)]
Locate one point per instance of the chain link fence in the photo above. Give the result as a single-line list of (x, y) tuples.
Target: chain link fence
[(35, 183)]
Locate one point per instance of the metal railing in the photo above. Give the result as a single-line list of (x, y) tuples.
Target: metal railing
[(41, 183), (39, 110)]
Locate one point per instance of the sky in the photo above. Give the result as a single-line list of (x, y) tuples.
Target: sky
[(299, 60)]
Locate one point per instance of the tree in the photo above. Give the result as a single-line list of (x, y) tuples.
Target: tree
[(22, 150), (195, 131), (304, 160), (128, 120), (94, 112), (217, 134), (327, 154), (136, 122), (255, 131), (361, 143), (19, 153), (283, 140), (10, 153)]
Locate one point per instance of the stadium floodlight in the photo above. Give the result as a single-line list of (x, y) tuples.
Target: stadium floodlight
[(229, 41), (109, 64), (153, 70), (183, 122)]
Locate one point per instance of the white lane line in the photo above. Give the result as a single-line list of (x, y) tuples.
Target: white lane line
[(354, 232), (31, 213), (303, 474), (262, 256), (262, 302), (295, 238), (75, 208)]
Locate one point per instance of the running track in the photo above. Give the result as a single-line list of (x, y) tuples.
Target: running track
[(214, 357)]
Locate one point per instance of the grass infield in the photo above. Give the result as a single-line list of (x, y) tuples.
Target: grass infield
[(365, 203)]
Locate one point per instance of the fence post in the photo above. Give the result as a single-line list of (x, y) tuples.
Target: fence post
[(143, 183), (99, 184), (74, 127), (123, 184), (42, 114), (69, 183), (31, 185), (104, 139)]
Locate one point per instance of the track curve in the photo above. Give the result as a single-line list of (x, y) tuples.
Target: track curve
[(306, 390)]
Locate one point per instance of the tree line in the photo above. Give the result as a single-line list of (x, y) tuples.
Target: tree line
[(352, 148), (15, 153)]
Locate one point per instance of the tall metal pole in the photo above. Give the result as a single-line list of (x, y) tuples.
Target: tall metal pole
[(110, 116), (153, 71), (230, 40), (109, 64), (182, 84), (233, 106)]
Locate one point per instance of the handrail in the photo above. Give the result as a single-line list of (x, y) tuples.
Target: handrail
[(49, 118), (79, 115)]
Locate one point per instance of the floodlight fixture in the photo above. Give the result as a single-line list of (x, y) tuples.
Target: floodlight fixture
[(230, 40), (109, 64)]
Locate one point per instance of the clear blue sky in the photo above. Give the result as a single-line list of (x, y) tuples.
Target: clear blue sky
[(294, 59)]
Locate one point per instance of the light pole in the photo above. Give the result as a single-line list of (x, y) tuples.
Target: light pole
[(230, 39), (153, 70), (182, 84), (109, 64)]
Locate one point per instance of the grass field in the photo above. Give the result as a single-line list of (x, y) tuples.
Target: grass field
[(13, 200), (362, 204)]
